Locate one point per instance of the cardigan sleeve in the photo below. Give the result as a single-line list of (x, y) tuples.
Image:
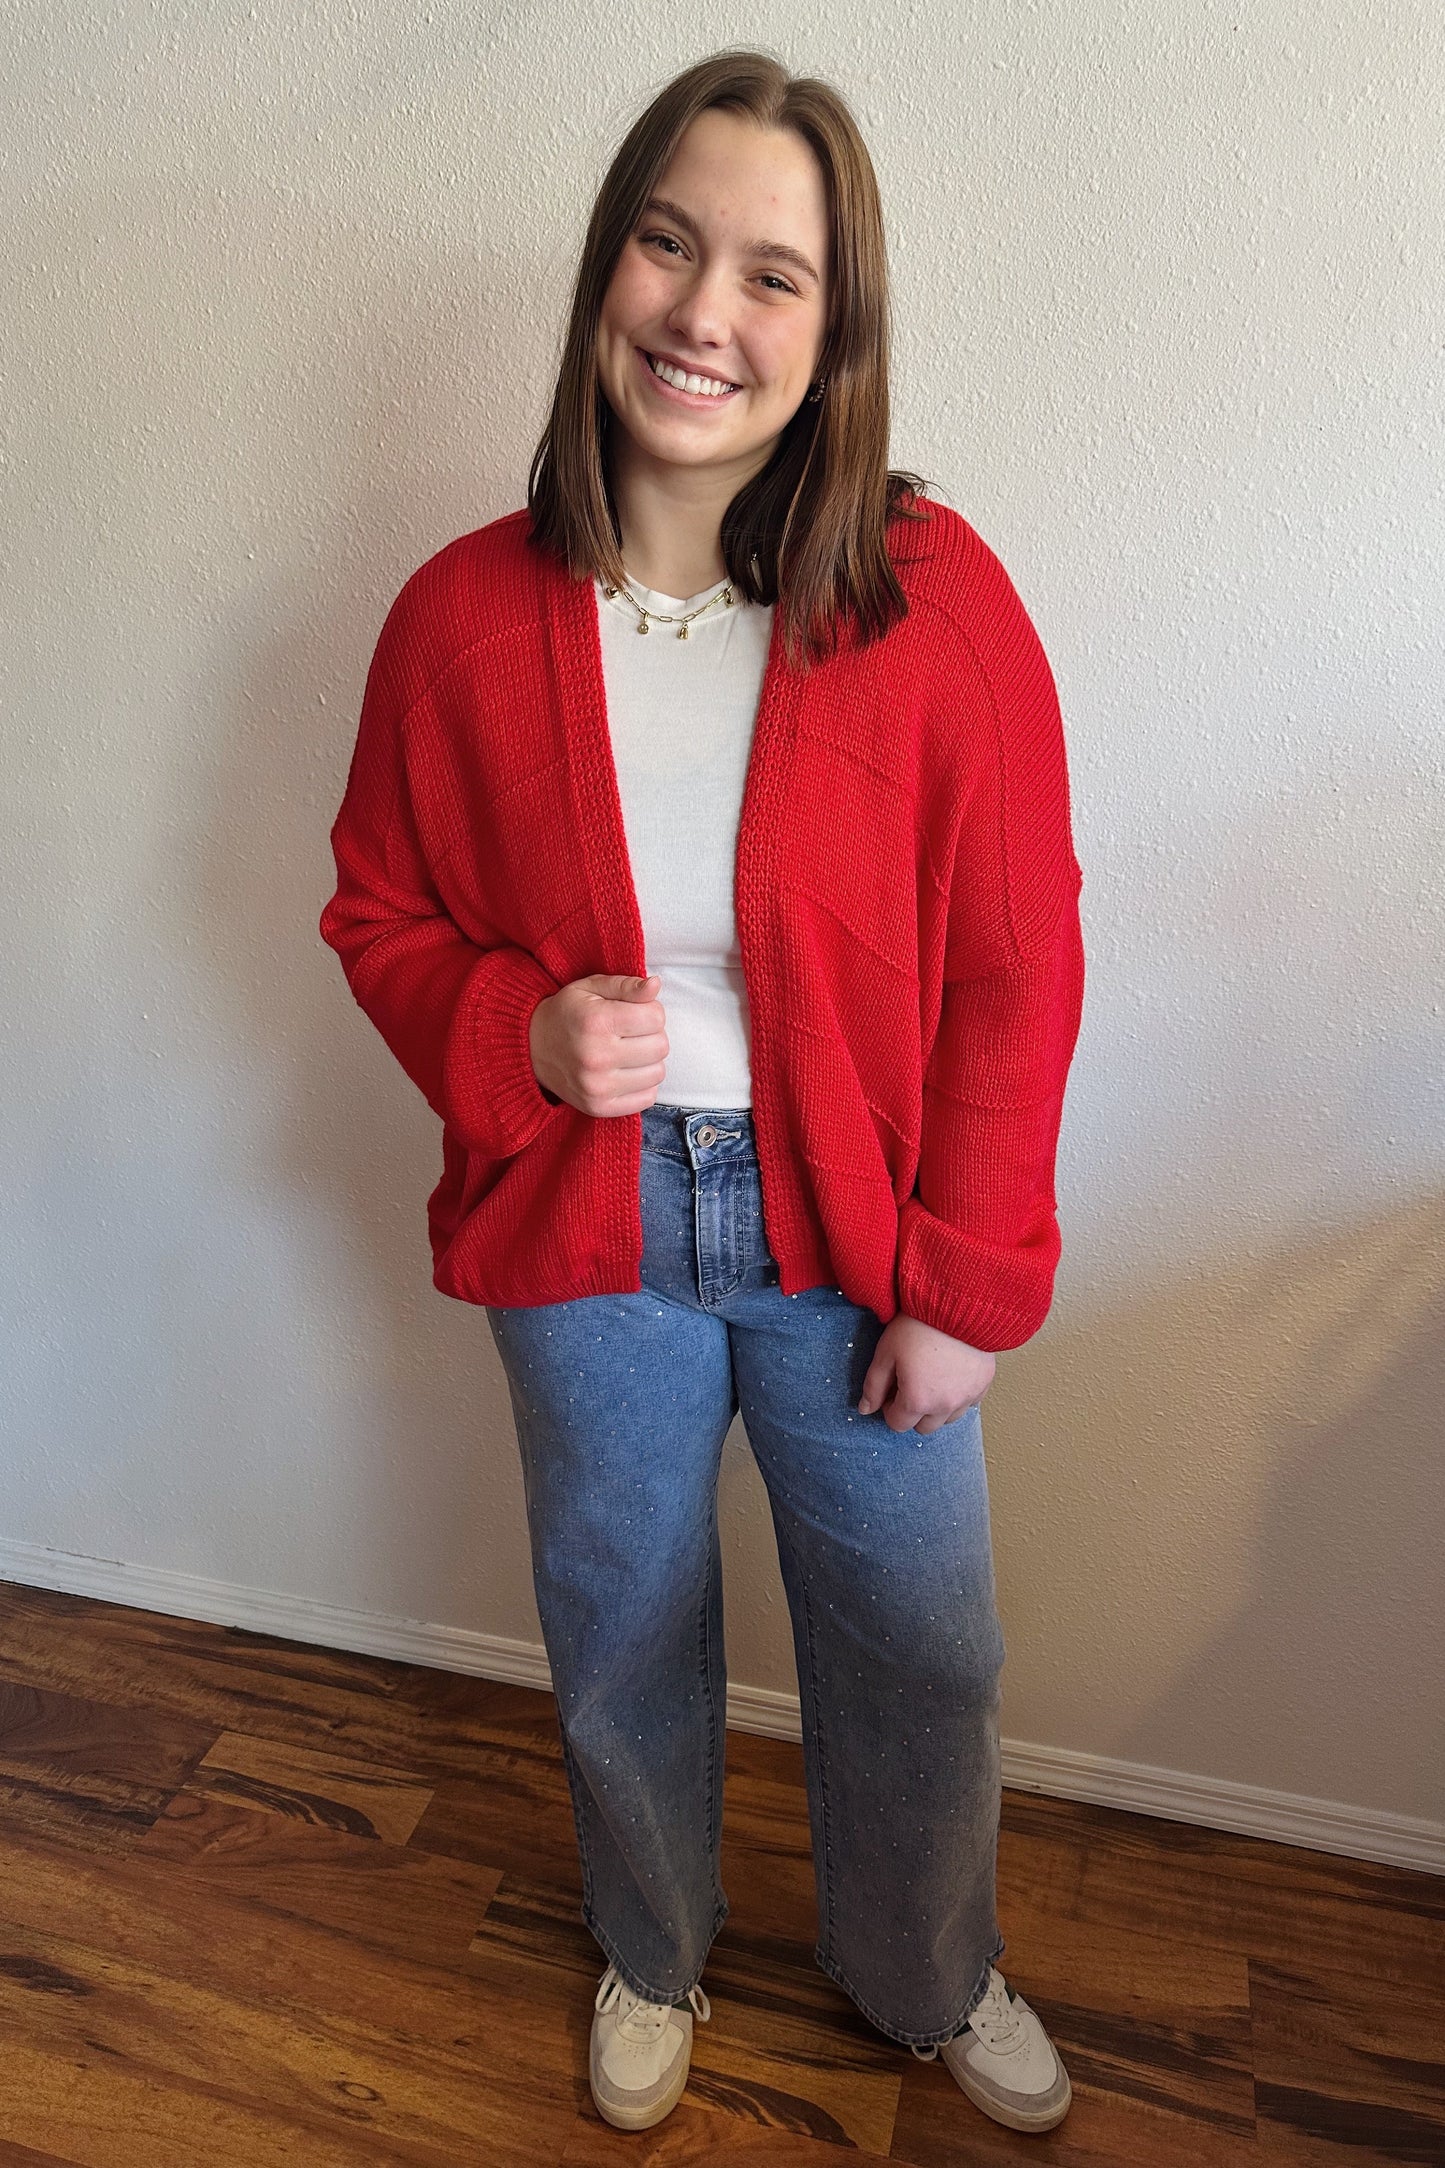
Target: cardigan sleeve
[(456, 1013), (979, 1238)]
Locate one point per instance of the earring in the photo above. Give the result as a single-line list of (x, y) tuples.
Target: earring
[(818, 390)]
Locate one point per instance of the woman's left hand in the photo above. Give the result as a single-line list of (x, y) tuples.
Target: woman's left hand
[(932, 1377)]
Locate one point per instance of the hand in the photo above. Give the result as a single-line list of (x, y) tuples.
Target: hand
[(599, 1043), (937, 1377)]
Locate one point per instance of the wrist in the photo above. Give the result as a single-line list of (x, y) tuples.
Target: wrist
[(533, 1051)]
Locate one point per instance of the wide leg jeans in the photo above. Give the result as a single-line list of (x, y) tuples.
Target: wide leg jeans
[(621, 1404)]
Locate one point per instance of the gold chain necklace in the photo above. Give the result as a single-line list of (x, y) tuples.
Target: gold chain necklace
[(724, 594)]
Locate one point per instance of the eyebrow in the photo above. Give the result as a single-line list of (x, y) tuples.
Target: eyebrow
[(774, 251)]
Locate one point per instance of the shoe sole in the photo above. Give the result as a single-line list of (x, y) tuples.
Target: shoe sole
[(1001, 2111)]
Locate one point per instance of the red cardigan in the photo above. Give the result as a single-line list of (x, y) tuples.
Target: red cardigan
[(906, 898)]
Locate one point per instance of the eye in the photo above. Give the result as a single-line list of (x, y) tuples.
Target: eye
[(672, 246)]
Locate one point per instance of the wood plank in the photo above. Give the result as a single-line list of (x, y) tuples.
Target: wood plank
[(786, 2050), (148, 1967), (146, 1665), (767, 1859), (98, 1773), (692, 2137), (210, 1675), (341, 1791), (1139, 2016), (1347, 2068), (1038, 1869), (1280, 1902), (388, 1898), (510, 1811), (939, 2127), (103, 2115), (15, 2155)]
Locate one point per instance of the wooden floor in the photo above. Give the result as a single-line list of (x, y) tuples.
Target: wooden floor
[(263, 1904)]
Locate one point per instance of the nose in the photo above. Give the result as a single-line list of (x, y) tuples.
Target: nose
[(700, 316)]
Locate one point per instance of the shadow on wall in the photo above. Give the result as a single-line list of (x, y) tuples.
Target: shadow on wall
[(1217, 1516)]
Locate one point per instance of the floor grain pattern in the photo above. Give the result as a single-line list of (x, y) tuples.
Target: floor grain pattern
[(266, 1905)]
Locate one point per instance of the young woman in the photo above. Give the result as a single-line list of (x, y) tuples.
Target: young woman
[(706, 860)]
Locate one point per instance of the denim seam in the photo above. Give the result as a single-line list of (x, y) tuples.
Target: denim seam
[(575, 1788), (713, 1832), (733, 1187), (710, 1294), (634, 1980), (896, 2032), (826, 1935)]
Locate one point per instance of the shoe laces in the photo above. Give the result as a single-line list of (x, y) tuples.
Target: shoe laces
[(640, 2019), (993, 2016)]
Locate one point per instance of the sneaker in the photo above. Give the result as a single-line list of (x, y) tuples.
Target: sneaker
[(1006, 2062), (640, 2052)]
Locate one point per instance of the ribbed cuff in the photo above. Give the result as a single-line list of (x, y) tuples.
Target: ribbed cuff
[(991, 1298), (493, 1096)]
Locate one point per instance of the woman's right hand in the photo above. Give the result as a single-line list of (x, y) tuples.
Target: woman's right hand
[(599, 1043)]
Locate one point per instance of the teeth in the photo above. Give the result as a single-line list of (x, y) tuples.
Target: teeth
[(709, 384)]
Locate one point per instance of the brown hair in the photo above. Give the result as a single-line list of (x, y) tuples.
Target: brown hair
[(808, 531)]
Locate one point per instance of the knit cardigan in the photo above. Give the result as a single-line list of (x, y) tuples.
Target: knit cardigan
[(906, 899)]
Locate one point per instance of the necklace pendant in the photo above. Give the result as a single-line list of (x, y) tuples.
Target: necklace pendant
[(682, 634), (643, 626)]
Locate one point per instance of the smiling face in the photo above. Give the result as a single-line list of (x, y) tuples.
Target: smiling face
[(724, 280)]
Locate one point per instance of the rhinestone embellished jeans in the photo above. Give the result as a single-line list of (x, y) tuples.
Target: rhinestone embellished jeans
[(621, 1404)]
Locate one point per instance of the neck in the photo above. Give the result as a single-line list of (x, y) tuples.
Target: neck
[(671, 517)]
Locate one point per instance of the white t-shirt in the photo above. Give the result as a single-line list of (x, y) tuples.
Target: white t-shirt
[(681, 715)]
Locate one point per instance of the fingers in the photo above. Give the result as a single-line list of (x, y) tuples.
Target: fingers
[(643, 1053), (880, 1382), (877, 1384), (631, 1018)]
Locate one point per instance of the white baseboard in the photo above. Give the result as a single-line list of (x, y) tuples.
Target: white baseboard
[(1319, 1825)]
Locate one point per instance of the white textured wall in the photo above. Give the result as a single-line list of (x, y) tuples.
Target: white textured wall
[(283, 291)]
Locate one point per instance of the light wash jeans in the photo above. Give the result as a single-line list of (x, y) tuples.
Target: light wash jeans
[(621, 1404)]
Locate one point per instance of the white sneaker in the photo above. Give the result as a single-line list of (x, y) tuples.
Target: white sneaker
[(640, 2053), (1006, 2062)]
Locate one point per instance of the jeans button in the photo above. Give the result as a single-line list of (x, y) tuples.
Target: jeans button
[(706, 1134)]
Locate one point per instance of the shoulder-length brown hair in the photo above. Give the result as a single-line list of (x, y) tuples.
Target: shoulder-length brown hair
[(809, 531)]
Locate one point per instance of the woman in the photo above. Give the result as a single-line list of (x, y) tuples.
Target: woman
[(804, 1167)]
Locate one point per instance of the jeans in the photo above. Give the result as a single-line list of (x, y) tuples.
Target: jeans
[(621, 1404)]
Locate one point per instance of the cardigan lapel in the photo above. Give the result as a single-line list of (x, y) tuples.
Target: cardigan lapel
[(596, 799)]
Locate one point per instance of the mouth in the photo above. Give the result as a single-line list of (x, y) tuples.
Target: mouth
[(670, 380)]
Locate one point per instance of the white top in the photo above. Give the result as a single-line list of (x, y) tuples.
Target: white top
[(681, 715)]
